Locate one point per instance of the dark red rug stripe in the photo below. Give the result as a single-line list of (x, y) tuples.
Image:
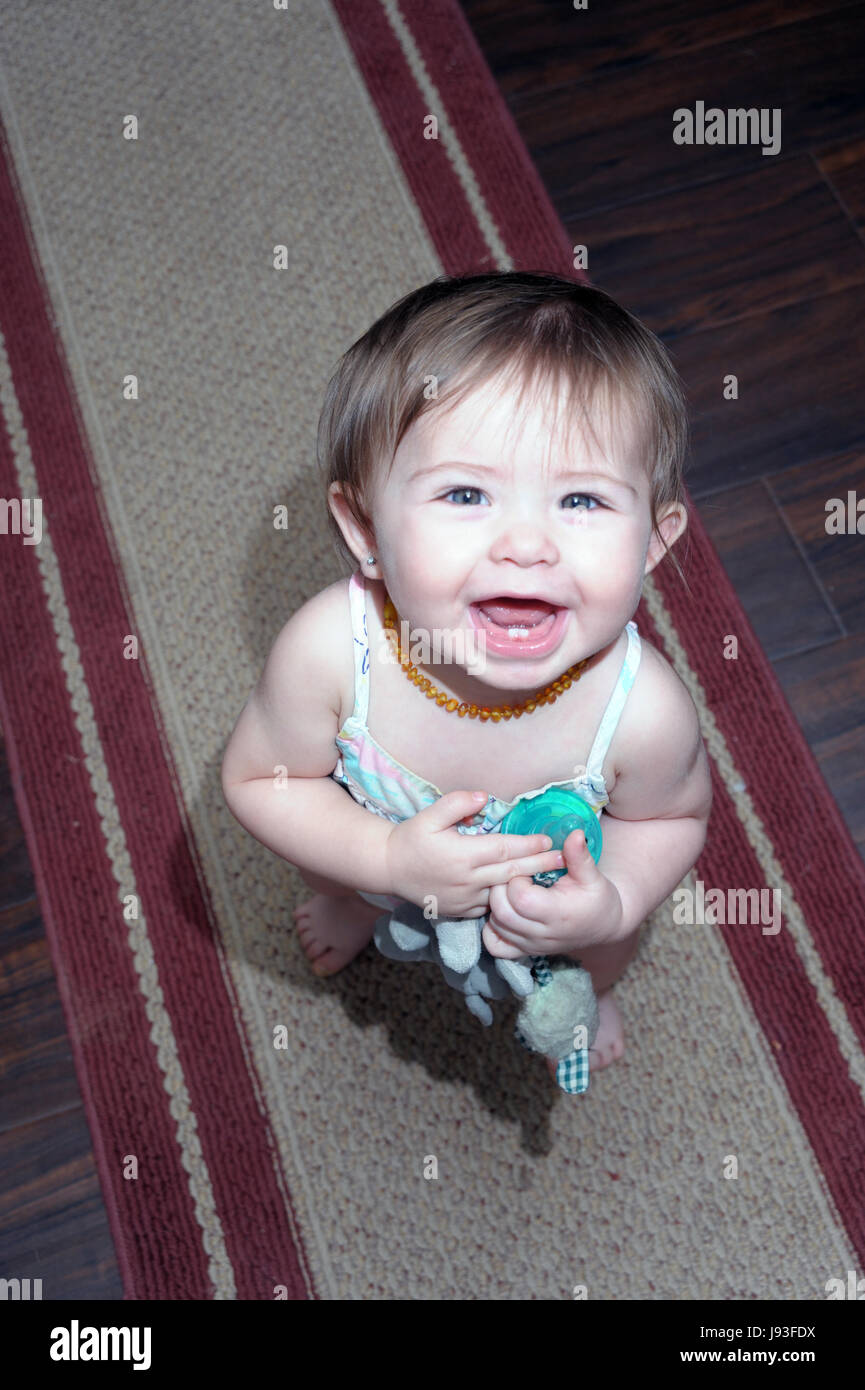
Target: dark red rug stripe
[(788, 778), (503, 169), (123, 1093), (531, 233)]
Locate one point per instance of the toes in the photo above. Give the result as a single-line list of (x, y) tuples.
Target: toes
[(328, 963), (603, 1056), (312, 948)]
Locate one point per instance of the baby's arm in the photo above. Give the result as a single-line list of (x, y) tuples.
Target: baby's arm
[(655, 824), (289, 722)]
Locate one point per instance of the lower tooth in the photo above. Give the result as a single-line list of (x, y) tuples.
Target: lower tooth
[(518, 631)]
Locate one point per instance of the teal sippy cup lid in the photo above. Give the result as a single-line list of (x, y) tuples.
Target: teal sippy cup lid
[(555, 812)]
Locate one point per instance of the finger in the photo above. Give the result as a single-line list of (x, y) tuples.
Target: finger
[(512, 869), (453, 808), (510, 922), (498, 946), (580, 864), (501, 849), (523, 901), (537, 864), (498, 899)]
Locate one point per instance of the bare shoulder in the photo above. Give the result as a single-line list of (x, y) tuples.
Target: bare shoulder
[(291, 717), (660, 762), (317, 632)]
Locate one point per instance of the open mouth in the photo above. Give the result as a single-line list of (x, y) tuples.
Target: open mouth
[(516, 615), (527, 626)]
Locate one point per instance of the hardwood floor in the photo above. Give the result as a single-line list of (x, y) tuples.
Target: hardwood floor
[(743, 263), (53, 1224)]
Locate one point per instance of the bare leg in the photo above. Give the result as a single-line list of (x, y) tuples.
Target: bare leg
[(335, 925), (606, 964)]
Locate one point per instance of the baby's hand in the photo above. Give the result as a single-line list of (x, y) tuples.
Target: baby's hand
[(581, 909), (428, 858)]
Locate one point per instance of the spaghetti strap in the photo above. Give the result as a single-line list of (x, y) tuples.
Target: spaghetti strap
[(615, 704), (357, 601)]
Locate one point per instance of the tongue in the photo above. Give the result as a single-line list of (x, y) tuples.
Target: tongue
[(514, 612)]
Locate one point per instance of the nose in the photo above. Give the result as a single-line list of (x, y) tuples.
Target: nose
[(523, 536)]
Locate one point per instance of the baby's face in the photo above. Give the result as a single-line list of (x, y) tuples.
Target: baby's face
[(480, 504)]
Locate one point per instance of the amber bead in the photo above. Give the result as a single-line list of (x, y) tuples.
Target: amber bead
[(484, 713)]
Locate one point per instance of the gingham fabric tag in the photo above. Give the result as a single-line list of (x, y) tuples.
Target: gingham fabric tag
[(572, 1072)]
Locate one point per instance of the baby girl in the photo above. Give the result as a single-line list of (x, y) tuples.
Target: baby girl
[(504, 456)]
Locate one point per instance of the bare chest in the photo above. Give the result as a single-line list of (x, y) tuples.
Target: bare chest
[(506, 758)]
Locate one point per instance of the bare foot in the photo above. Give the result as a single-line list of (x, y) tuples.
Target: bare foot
[(334, 930), (609, 1045)]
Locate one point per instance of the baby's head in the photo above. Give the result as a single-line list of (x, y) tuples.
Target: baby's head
[(545, 398)]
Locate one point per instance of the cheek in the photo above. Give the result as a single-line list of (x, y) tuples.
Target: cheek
[(602, 549), (610, 567)]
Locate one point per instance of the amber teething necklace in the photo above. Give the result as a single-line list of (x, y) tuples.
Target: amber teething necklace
[(547, 696)]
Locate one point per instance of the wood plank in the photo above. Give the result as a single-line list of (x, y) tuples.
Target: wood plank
[(843, 166), (828, 695), (742, 245), (37, 1071), (547, 43), (799, 370), (839, 560), (762, 562), (610, 143), (53, 1224)]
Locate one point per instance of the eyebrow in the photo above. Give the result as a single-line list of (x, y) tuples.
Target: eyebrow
[(571, 474)]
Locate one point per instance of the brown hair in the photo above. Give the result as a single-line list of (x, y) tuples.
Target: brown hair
[(462, 331)]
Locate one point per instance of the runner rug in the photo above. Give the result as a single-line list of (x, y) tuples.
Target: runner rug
[(721, 1158)]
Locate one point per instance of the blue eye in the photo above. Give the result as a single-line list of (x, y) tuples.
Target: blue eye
[(462, 490), (586, 497)]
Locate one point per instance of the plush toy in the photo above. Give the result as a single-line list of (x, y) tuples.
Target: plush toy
[(558, 998)]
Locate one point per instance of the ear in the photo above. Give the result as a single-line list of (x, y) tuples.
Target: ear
[(360, 541), (672, 522)]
